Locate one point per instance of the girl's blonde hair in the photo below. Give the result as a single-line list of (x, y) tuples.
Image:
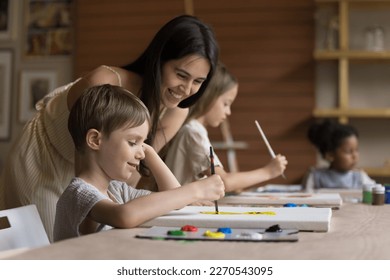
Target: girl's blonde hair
[(221, 82)]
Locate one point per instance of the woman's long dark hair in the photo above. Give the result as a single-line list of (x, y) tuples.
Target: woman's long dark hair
[(182, 36)]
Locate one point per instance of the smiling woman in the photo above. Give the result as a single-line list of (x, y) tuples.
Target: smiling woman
[(44, 152), (183, 78)]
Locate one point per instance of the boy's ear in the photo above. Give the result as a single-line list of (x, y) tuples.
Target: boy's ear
[(93, 139)]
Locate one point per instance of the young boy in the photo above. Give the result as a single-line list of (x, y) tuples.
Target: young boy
[(108, 126)]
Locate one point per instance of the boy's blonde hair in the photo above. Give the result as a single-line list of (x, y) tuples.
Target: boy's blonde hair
[(105, 108), (221, 82)]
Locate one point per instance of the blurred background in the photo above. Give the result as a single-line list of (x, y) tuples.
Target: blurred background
[(295, 61)]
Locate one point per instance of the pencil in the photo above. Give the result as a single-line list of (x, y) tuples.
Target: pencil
[(271, 152), (212, 173)]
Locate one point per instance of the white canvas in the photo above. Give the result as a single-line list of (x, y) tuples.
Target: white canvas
[(332, 200), (301, 218)]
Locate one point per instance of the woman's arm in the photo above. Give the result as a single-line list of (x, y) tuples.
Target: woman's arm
[(99, 76), (169, 125)]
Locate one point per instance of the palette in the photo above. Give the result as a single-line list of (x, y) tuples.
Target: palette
[(301, 218), (332, 200), (237, 234)]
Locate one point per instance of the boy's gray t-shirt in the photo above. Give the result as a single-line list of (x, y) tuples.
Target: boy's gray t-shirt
[(77, 201)]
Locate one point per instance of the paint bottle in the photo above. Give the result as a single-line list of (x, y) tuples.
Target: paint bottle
[(378, 195), (387, 193), (367, 193)]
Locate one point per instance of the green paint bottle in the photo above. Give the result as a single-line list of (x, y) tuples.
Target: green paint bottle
[(367, 193)]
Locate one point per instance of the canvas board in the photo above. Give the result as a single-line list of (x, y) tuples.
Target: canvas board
[(279, 188), (347, 195), (332, 200), (237, 234), (301, 218)]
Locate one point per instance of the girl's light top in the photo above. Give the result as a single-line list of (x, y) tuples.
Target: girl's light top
[(188, 154)]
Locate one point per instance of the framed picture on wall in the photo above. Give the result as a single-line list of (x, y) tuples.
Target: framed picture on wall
[(34, 85), (48, 28), (5, 92), (7, 10)]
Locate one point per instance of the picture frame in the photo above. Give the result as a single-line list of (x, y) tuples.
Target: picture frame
[(5, 92), (47, 28), (7, 19), (34, 85)]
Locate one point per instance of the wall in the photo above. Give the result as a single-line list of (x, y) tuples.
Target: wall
[(61, 65), (368, 79), (268, 45)]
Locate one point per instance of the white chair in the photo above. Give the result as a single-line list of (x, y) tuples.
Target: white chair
[(21, 228)]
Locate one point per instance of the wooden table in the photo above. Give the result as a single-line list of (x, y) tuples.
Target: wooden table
[(358, 231)]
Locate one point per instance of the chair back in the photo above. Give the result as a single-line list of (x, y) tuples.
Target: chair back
[(21, 227)]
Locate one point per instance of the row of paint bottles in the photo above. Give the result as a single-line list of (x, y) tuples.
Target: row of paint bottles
[(374, 194)]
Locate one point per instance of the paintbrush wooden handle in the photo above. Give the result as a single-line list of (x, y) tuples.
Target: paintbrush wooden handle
[(271, 152), (212, 168)]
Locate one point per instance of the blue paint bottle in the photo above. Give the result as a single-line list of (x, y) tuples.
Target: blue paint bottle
[(387, 193)]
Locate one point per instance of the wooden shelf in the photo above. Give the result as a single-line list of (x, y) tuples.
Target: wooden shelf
[(378, 171), (347, 60), (351, 55), (352, 113)]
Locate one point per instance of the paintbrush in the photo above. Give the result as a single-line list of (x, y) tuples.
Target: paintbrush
[(212, 173), (271, 152)]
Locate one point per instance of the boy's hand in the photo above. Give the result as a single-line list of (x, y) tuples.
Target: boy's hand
[(203, 203), (212, 188)]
